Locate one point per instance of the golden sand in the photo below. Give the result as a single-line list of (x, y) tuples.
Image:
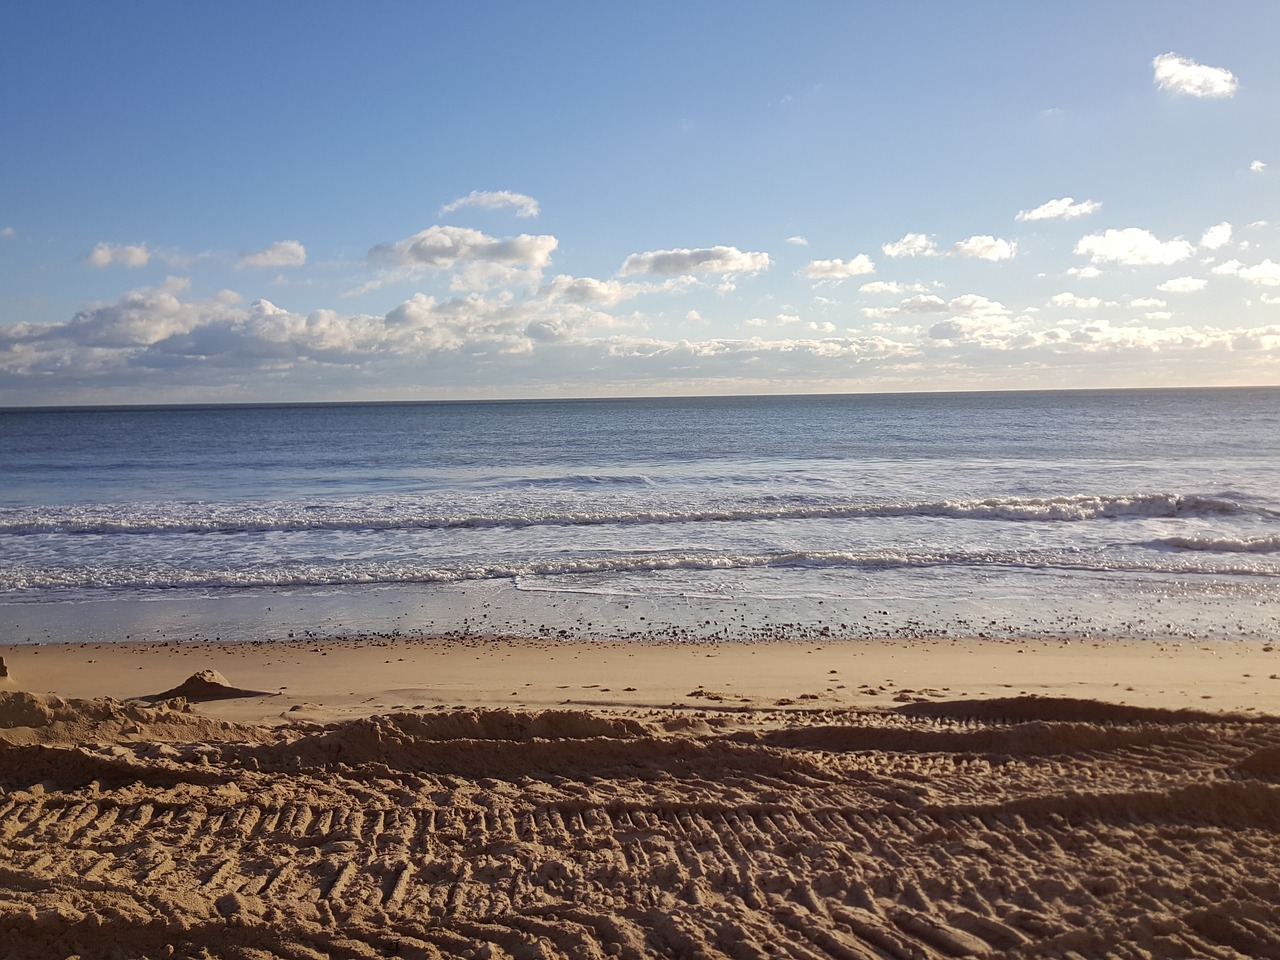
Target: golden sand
[(473, 798)]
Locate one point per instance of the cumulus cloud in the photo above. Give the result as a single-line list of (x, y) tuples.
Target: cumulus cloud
[(124, 254), (1216, 236), (1133, 246), (979, 329), (587, 290), (1257, 166), (1084, 273), (798, 241), (524, 206), (858, 266), (969, 305), (1063, 208), (1147, 302), (1071, 300), (1264, 274), (700, 260), (1181, 75), (443, 247), (478, 260), (890, 286), (911, 245), (1183, 285), (282, 253), (985, 248)]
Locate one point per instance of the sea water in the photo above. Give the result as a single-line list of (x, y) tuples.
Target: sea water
[(1149, 513)]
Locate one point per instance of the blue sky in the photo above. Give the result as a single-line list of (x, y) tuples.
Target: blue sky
[(310, 201)]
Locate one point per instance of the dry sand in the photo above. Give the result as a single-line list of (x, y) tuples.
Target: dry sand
[(463, 797)]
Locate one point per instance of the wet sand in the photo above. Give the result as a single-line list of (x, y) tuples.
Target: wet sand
[(476, 798)]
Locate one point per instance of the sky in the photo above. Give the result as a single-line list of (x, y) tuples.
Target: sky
[(326, 201)]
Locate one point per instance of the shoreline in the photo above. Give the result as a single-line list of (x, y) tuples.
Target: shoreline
[(364, 675)]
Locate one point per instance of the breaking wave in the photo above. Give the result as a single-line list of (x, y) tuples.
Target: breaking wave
[(394, 514), (1265, 544), (371, 572)]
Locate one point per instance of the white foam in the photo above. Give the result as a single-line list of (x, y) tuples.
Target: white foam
[(408, 514), (1264, 544)]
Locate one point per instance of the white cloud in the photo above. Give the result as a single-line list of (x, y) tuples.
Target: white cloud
[(524, 206), (1084, 273), (126, 255), (1216, 236), (890, 286), (911, 245), (1133, 246), (924, 303), (1264, 274), (587, 290), (442, 247), (988, 330), (969, 305), (283, 253), (859, 266), (1257, 166), (1147, 302), (1180, 75), (701, 260), (972, 305), (1071, 300), (155, 340), (1064, 208), (1183, 285), (797, 241), (985, 248)]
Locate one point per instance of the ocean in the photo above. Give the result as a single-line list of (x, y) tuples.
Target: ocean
[(1083, 514)]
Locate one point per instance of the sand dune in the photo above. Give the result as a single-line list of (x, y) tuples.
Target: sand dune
[(1027, 827)]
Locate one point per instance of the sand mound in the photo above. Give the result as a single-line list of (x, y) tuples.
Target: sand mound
[(570, 835), (207, 685), (1263, 763), (499, 743), (36, 718), (504, 725)]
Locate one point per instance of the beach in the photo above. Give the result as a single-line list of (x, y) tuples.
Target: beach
[(806, 677), (476, 796)]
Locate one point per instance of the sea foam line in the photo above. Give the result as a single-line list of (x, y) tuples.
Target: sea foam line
[(52, 580), (290, 517)]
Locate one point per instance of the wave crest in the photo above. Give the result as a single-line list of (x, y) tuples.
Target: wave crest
[(391, 515)]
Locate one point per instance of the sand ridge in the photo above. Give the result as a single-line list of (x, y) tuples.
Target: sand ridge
[(1024, 827)]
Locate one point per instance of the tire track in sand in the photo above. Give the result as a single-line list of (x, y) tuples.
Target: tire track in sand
[(805, 842)]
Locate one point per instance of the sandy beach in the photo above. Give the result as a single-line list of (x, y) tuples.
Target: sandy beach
[(478, 797)]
